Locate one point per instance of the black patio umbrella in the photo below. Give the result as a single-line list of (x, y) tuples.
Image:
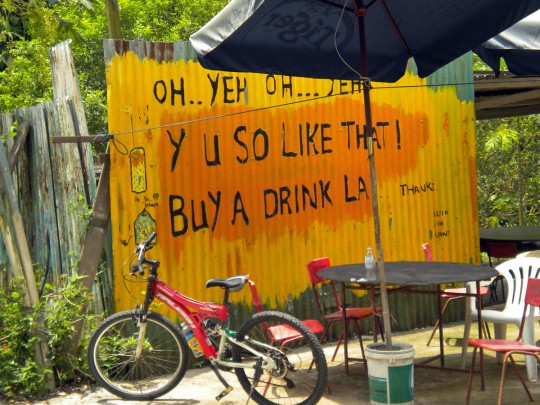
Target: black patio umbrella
[(352, 39), (519, 46)]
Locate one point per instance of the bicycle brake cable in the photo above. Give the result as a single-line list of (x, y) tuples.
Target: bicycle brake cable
[(125, 277)]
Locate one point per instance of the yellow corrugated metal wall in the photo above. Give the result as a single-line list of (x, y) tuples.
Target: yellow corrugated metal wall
[(250, 173)]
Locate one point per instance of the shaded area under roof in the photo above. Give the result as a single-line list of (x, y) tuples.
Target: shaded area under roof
[(516, 92), (505, 95)]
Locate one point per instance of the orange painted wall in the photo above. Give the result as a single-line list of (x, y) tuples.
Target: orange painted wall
[(249, 173)]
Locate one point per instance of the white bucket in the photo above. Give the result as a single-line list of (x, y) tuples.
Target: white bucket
[(391, 373)]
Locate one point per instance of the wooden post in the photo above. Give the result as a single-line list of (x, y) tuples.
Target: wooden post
[(14, 260), (20, 235), (93, 243), (5, 225), (40, 347), (65, 84)]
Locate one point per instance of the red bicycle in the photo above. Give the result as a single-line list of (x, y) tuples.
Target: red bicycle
[(141, 355)]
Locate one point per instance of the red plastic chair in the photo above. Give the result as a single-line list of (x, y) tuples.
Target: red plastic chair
[(336, 315), (508, 347), (498, 251), (501, 250), (282, 333), (448, 293)]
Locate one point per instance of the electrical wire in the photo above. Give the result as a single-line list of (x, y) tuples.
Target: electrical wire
[(113, 136), (125, 278), (336, 45)]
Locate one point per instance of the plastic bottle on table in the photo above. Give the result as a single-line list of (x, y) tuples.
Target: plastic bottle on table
[(370, 264)]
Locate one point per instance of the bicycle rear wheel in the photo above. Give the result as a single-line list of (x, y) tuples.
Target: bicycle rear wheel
[(301, 372), (161, 366)]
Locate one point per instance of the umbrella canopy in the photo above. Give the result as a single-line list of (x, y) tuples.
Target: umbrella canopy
[(519, 46), (348, 39), (319, 38)]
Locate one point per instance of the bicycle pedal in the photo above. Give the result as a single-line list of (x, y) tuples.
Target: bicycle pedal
[(224, 392)]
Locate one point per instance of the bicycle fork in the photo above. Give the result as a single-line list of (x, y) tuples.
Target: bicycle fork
[(140, 339)]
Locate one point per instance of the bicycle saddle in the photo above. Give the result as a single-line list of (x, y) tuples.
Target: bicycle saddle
[(232, 284)]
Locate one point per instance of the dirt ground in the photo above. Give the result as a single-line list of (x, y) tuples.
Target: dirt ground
[(431, 385)]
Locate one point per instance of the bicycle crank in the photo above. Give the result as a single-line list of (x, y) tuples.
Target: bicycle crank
[(227, 389)]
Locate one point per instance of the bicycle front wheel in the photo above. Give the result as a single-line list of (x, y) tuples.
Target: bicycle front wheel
[(300, 374), (158, 369)]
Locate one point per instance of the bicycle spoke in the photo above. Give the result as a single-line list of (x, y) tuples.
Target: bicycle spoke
[(161, 365)]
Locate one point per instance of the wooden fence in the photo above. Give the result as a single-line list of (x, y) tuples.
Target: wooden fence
[(54, 182)]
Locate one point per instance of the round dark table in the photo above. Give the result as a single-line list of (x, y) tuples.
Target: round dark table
[(411, 273), (408, 275), (525, 237)]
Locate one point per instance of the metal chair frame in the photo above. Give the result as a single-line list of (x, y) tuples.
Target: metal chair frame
[(508, 347), (352, 315), (450, 294), (516, 273)]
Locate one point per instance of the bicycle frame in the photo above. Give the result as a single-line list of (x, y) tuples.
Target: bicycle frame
[(181, 304)]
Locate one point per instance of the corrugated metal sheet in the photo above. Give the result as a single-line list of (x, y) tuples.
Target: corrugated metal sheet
[(249, 173)]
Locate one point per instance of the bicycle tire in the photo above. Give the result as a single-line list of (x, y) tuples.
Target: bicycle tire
[(162, 365), (300, 376)]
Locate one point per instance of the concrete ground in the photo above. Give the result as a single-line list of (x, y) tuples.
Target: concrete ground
[(431, 385)]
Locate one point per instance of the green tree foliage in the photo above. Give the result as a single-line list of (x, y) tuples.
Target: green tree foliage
[(26, 81), (165, 20), (26, 27), (30, 27), (480, 66), (508, 153)]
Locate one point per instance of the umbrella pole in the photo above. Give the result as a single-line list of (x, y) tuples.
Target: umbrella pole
[(366, 86)]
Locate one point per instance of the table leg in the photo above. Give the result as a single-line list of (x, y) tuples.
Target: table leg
[(374, 317), (468, 321), (345, 342), (439, 310), (479, 310), (480, 333)]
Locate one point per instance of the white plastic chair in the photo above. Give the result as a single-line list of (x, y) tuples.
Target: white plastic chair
[(515, 272), (532, 253)]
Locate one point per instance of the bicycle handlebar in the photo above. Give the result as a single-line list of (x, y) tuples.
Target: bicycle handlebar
[(142, 245), (140, 249)]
